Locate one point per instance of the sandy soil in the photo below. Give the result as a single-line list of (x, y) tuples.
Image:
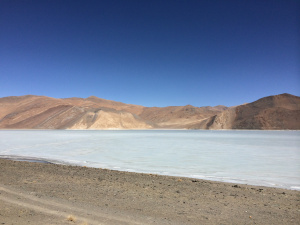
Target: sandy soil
[(39, 193)]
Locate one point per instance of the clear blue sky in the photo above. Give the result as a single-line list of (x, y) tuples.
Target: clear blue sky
[(151, 52)]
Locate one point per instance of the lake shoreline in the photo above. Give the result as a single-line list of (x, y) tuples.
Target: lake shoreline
[(66, 163), (116, 197)]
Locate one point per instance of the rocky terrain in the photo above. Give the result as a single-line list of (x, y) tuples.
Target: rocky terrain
[(41, 193), (269, 113), (40, 112)]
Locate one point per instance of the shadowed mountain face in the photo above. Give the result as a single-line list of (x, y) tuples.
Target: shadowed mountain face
[(269, 113), (39, 112)]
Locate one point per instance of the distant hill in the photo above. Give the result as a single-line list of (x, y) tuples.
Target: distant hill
[(40, 112), (270, 113), (179, 116)]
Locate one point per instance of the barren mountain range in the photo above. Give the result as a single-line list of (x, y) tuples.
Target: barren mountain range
[(40, 112)]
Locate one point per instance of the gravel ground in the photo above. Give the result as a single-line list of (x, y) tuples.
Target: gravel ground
[(39, 193)]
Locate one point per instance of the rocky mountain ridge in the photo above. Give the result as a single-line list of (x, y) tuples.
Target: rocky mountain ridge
[(270, 113), (40, 112)]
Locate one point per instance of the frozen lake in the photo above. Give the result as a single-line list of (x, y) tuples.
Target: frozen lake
[(268, 158)]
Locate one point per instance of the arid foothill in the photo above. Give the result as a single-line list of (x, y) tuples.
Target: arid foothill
[(278, 112)]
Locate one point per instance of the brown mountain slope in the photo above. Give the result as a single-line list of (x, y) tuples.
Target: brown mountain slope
[(109, 119), (96, 102), (269, 113), (160, 117), (179, 116), (39, 112)]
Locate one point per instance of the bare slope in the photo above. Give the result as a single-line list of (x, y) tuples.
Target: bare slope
[(179, 116), (269, 113), (40, 112)]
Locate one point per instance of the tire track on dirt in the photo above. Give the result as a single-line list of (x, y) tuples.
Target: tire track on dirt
[(59, 210)]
